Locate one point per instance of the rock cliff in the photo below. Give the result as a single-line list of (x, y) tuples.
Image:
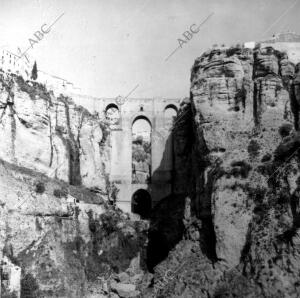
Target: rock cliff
[(237, 165), (230, 227), (66, 240), (60, 235), (51, 135)]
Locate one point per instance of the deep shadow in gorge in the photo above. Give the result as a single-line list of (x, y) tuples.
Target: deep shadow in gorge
[(166, 229), (168, 224), (141, 203), (166, 218)]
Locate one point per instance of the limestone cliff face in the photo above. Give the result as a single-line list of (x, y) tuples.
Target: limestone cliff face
[(240, 125), (66, 240), (59, 236), (241, 179), (51, 135)]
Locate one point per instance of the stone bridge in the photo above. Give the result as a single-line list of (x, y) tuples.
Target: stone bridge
[(159, 113)]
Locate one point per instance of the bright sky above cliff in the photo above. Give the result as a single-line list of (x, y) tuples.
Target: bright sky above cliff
[(109, 47)]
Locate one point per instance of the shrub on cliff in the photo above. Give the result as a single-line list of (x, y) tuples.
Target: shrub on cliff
[(105, 131), (9, 295), (288, 147), (29, 286), (34, 72), (60, 193), (40, 187), (285, 129), (33, 89), (109, 222), (240, 168), (231, 51), (253, 149)]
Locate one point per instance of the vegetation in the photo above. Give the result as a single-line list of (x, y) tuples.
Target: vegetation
[(60, 192), (141, 149), (240, 168), (111, 190), (285, 129), (34, 72), (29, 286), (112, 194), (266, 157), (40, 187), (105, 131), (34, 89), (253, 149), (9, 295), (117, 248)]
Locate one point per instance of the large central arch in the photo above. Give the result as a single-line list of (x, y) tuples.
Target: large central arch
[(141, 150)]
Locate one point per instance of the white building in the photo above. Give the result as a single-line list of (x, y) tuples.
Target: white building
[(10, 62), (55, 83), (13, 62), (249, 44), (288, 42)]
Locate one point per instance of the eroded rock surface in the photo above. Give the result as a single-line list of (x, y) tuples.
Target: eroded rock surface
[(66, 239), (230, 228), (240, 167), (51, 135)]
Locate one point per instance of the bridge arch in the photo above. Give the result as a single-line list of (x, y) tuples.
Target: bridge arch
[(141, 117), (155, 112), (171, 106), (170, 112), (141, 150), (112, 113), (111, 105), (141, 203)]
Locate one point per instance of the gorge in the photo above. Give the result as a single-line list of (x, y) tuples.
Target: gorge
[(224, 186)]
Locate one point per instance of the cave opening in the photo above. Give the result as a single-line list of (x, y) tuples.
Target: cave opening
[(141, 203)]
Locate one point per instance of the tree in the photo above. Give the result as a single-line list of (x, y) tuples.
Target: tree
[(34, 72)]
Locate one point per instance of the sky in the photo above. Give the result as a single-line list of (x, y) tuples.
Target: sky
[(109, 47)]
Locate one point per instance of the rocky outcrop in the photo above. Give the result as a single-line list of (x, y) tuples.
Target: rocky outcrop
[(59, 235), (295, 96), (230, 226), (51, 135), (242, 172), (66, 240)]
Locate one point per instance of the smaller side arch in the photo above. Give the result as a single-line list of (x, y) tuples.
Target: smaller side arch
[(171, 106), (170, 113), (111, 105), (112, 113)]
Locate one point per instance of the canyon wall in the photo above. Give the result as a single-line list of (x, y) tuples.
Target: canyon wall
[(230, 226), (237, 172), (60, 233), (64, 240), (51, 134)]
